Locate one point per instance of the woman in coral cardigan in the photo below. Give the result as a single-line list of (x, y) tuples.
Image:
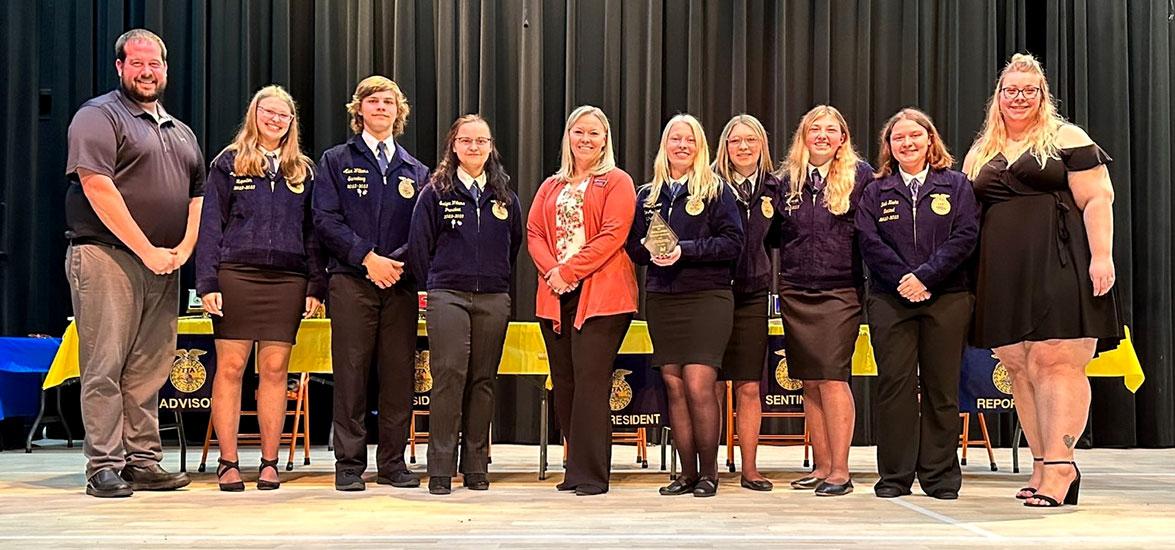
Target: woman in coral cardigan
[(587, 292)]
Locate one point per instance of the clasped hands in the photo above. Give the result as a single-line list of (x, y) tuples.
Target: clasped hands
[(912, 289), (382, 271), (163, 261)]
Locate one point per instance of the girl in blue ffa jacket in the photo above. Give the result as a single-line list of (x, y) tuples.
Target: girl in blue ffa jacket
[(362, 211), (820, 286), (466, 231), (259, 270), (918, 224), (689, 302), (743, 163)]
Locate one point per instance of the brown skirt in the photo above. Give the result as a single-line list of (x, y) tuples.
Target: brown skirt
[(689, 328), (746, 354), (820, 330), (259, 304)]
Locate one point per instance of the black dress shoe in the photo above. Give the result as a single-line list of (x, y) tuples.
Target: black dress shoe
[(564, 486), (438, 485), (349, 480), (106, 484), (807, 483), (589, 490), (475, 482), (154, 478), (706, 487), (403, 479), (827, 489), (945, 494), (679, 486), (756, 485), (889, 492)]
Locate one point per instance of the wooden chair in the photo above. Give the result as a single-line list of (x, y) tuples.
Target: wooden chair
[(965, 441), (416, 435), (784, 439), (300, 395)]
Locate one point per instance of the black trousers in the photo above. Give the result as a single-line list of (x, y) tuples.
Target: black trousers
[(581, 373), (466, 332), (919, 350), (371, 327)]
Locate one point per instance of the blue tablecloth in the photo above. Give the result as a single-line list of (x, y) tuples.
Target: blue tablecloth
[(23, 361)]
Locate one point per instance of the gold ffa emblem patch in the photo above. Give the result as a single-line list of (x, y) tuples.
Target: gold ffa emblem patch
[(767, 207), (694, 206), (407, 187), (422, 380), (499, 210), (781, 376), (187, 372), (295, 188), (1001, 378), (621, 394), (941, 204)]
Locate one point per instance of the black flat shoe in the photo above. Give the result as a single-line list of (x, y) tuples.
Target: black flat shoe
[(264, 484), (945, 494), (475, 482), (438, 485), (564, 486), (807, 483), (349, 480), (890, 492), (589, 490), (1030, 490), (756, 485), (827, 489), (105, 483), (679, 486), (706, 487), (404, 479), (223, 468), (1070, 495)]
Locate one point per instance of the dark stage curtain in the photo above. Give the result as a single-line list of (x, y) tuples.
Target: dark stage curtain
[(524, 64)]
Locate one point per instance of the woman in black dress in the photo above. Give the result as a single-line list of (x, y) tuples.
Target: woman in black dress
[(259, 271), (1046, 269)]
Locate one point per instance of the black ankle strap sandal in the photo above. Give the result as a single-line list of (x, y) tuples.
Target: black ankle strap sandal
[(223, 468), (266, 485)]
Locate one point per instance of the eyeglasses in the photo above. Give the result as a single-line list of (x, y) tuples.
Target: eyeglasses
[(481, 142), (283, 118), (1029, 92), (682, 140), (739, 142)]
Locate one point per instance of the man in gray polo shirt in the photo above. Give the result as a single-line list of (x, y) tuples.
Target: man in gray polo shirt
[(132, 210)]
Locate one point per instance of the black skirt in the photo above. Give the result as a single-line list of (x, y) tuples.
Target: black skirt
[(691, 327), (820, 329), (746, 353), (259, 304)]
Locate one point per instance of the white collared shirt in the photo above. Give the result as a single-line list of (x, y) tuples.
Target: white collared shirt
[(373, 144), (921, 176), (739, 179), (469, 180)]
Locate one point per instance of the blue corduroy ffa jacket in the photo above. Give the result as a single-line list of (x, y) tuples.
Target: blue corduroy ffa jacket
[(257, 221), (461, 244), (358, 210)]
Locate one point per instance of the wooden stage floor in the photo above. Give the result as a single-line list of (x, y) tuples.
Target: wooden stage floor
[(1128, 500)]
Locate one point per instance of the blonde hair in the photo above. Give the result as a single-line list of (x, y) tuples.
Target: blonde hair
[(294, 165), (938, 157), (701, 182), (1042, 134), (373, 85), (842, 170), (722, 164), (607, 160)]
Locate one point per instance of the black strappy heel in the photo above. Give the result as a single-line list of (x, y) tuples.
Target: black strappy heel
[(1030, 490), (223, 468), (1070, 495), (266, 485)]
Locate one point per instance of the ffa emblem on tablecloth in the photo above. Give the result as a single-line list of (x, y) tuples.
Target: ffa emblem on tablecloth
[(422, 381), (407, 187), (941, 204), (1001, 378), (621, 394), (781, 376), (187, 372)]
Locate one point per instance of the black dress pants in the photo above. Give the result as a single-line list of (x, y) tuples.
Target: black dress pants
[(371, 327), (919, 350), (581, 373)]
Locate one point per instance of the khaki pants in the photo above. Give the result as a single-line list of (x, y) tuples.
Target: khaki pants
[(126, 321)]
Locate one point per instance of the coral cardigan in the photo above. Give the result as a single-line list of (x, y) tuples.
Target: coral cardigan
[(606, 274)]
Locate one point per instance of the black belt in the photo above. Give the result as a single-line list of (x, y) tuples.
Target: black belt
[(96, 241)]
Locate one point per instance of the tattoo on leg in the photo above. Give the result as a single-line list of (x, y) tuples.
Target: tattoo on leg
[(1070, 442)]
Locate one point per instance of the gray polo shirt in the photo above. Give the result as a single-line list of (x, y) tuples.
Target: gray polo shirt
[(156, 166)]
